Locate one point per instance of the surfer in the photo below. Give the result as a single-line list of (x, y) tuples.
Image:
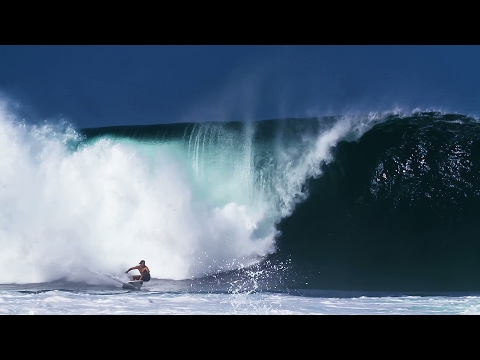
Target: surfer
[(144, 271)]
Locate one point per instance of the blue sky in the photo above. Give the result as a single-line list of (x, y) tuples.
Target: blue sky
[(108, 85)]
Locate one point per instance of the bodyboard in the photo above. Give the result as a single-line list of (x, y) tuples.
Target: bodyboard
[(129, 285), (133, 285)]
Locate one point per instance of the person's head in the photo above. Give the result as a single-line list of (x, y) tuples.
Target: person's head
[(142, 262)]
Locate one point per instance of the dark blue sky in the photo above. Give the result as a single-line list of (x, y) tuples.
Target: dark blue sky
[(106, 85)]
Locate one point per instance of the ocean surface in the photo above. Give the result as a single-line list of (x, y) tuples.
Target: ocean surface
[(357, 214)]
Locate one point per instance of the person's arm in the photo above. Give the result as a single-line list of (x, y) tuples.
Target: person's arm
[(134, 267)]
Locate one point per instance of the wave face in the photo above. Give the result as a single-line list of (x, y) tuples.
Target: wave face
[(396, 210), (376, 202)]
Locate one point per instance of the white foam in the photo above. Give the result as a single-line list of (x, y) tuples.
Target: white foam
[(108, 205), (152, 303)]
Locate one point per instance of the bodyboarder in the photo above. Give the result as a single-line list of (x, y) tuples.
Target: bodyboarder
[(143, 269)]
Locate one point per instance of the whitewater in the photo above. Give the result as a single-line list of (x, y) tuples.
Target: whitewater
[(202, 203)]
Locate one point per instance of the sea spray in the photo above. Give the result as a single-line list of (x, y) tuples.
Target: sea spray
[(191, 199)]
